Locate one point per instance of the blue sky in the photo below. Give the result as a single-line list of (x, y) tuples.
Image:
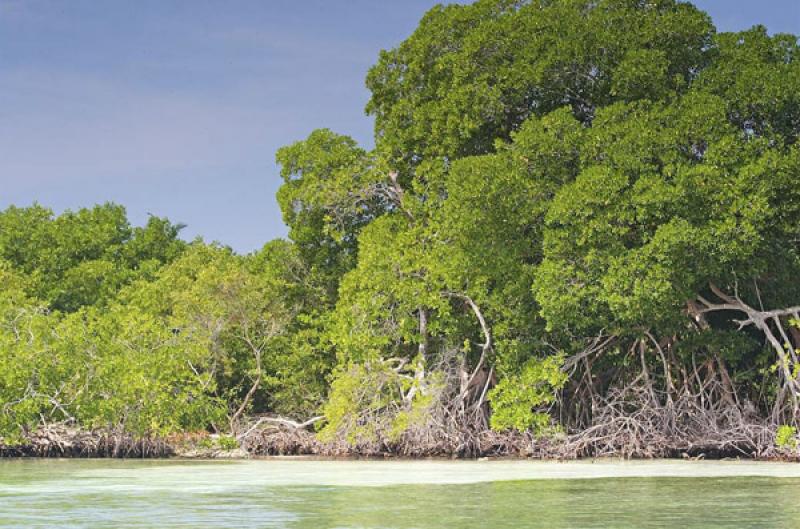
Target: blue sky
[(176, 107)]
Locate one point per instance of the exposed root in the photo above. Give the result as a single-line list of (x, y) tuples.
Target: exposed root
[(630, 424), (61, 440), (414, 443), (621, 430)]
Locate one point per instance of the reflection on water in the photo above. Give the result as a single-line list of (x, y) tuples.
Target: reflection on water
[(400, 494)]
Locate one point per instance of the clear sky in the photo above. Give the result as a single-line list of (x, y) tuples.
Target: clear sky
[(176, 107)]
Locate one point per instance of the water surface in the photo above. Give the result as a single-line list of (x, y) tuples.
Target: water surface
[(303, 494)]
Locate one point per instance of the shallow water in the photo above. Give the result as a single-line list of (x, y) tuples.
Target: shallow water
[(397, 494)]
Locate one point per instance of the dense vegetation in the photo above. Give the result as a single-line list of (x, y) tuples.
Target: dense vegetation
[(579, 216)]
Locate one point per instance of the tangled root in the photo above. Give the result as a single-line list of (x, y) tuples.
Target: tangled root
[(62, 440)]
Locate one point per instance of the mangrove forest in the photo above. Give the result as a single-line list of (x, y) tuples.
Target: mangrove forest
[(576, 234)]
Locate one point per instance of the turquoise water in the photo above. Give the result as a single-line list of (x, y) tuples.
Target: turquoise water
[(397, 494)]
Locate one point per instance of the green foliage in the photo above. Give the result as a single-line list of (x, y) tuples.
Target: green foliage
[(786, 437), (83, 258), (302, 357), (205, 443), (24, 338), (471, 74), (518, 401), (649, 220), (757, 75), (119, 369), (379, 300), (174, 350), (143, 377), (544, 172), (360, 396), (573, 168), (417, 415), (323, 178), (228, 442)]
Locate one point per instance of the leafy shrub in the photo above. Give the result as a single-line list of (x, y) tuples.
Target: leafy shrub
[(786, 437), (517, 401), (228, 442)]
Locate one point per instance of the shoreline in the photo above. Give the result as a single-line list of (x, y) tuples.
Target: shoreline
[(299, 471), (238, 454), (62, 441)]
